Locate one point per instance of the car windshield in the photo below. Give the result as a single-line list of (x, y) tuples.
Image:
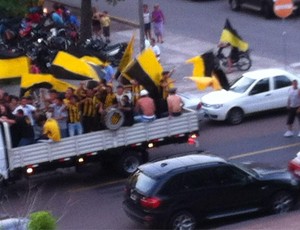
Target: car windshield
[(141, 182), (242, 85)]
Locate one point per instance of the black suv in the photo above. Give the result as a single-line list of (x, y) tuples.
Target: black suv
[(176, 193), (264, 6)]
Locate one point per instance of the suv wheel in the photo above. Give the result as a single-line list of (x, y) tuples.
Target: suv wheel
[(182, 220), (234, 5), (282, 202)]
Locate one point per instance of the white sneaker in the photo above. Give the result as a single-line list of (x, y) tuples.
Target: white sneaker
[(289, 134), (299, 134)]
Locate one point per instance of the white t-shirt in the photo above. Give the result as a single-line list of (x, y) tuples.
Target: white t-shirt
[(156, 50), (147, 18), (28, 111), (294, 97)]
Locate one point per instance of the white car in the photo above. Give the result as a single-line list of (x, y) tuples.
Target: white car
[(192, 101), (255, 91)]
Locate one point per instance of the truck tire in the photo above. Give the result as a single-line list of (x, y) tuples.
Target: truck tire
[(129, 162)]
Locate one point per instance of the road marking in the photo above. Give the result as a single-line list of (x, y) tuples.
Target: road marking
[(96, 186), (263, 151)]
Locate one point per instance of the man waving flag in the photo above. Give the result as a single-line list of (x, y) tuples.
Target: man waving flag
[(229, 35)]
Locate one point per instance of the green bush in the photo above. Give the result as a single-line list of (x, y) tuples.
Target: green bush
[(42, 220), (13, 8)]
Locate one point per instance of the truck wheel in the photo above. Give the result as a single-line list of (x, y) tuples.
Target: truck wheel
[(129, 162)]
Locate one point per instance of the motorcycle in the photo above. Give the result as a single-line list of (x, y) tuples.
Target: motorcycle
[(110, 53), (241, 61)]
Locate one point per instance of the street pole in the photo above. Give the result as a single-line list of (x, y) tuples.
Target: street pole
[(141, 21)]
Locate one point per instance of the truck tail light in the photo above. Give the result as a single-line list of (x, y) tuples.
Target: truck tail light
[(192, 139), (150, 202)]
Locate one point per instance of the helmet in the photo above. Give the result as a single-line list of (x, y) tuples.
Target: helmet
[(144, 92)]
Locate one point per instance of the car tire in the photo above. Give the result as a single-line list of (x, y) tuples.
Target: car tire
[(235, 116), (234, 5), (282, 202), (182, 220)]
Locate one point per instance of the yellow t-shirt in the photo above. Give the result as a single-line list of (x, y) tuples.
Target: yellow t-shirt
[(105, 21), (51, 129)]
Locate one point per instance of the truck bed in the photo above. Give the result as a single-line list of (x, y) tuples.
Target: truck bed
[(102, 140)]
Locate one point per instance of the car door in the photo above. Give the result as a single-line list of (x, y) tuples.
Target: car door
[(258, 97), (238, 191), (279, 91)]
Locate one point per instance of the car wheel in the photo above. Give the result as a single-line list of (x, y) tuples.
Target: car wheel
[(182, 220), (267, 11), (235, 116), (234, 5), (282, 202)]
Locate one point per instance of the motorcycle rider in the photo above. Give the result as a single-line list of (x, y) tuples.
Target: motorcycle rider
[(233, 56)]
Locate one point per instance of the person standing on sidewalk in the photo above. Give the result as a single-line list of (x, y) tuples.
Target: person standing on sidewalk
[(147, 21), (96, 24), (105, 22), (293, 106), (158, 20)]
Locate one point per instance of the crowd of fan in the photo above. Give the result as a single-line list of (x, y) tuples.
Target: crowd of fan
[(53, 115)]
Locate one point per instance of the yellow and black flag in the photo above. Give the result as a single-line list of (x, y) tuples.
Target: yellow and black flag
[(127, 56), (230, 35), (203, 64), (206, 73), (146, 70), (14, 67), (67, 66), (30, 81)]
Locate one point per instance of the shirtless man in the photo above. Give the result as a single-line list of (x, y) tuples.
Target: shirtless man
[(145, 107), (175, 103)]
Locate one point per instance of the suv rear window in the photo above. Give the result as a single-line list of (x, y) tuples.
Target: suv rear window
[(141, 182)]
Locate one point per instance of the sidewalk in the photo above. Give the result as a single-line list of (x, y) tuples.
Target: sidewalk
[(174, 51)]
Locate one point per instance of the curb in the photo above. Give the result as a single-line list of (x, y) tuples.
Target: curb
[(113, 18)]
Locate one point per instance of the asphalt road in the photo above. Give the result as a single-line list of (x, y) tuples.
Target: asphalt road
[(92, 199)]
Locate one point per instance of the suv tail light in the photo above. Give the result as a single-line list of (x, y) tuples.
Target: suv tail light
[(150, 202)]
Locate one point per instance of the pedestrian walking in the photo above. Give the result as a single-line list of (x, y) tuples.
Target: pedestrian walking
[(293, 106), (105, 23), (147, 21), (158, 20)]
